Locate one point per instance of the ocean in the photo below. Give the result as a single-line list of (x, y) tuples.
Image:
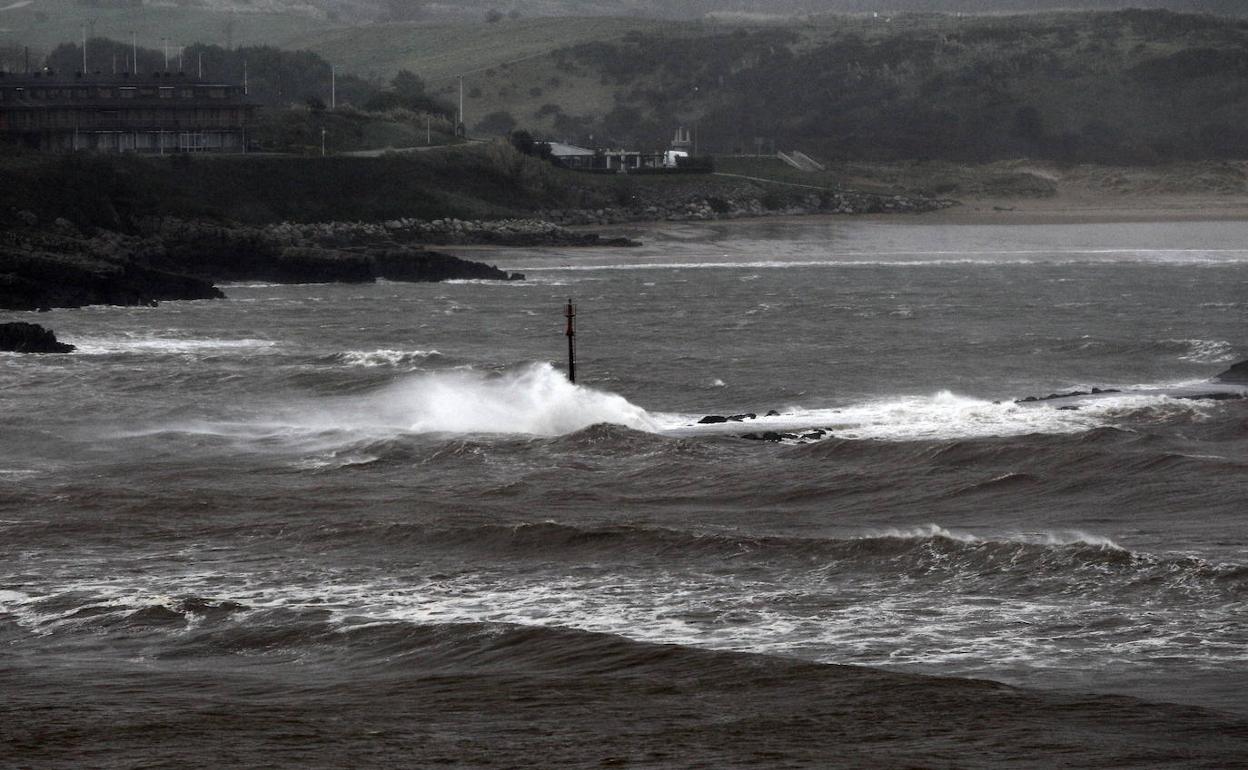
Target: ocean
[(374, 525)]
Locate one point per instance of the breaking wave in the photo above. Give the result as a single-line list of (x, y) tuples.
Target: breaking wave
[(930, 549), (536, 400)]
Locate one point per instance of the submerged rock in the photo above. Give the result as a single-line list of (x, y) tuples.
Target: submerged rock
[(20, 337)]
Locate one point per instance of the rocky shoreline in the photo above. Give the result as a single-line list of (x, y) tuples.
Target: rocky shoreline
[(441, 232), (55, 264), (58, 265), (742, 202)]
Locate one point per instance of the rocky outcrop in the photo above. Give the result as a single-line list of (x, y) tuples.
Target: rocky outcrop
[(350, 252), (800, 436), (304, 264), (1236, 375), (810, 434), (1231, 385), (33, 279), (19, 337), (1071, 394), (421, 265), (58, 266)]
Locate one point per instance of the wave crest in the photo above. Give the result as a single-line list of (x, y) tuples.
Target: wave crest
[(535, 400)]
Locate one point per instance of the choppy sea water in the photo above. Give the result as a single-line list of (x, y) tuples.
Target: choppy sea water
[(278, 506)]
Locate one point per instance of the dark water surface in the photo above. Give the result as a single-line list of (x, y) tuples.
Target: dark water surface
[(339, 525)]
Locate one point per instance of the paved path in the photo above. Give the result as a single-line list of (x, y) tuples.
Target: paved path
[(423, 148), (775, 181)]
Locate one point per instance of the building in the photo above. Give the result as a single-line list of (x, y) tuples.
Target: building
[(571, 156), (676, 158), (154, 113)]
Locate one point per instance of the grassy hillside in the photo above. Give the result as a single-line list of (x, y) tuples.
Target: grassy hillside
[(1123, 87), (44, 24), (441, 52), (1132, 86)]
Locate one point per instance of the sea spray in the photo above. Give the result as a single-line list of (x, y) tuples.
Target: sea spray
[(536, 399)]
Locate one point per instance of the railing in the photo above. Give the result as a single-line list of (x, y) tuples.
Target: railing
[(800, 161), (802, 157)]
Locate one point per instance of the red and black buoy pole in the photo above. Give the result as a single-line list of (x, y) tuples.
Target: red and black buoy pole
[(570, 314)]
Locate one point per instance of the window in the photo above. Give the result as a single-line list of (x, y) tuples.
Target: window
[(166, 92), (128, 92), (186, 93), (105, 93)]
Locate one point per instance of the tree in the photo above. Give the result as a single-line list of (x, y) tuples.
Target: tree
[(497, 122), (523, 141), (493, 16), (1028, 124), (408, 85)]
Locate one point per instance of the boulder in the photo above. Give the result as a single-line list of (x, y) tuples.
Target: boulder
[(20, 337)]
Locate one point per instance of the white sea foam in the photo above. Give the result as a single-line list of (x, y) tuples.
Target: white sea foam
[(950, 619), (1057, 538), (373, 358), (538, 400), (8, 598), (941, 416), (163, 345), (1207, 351)]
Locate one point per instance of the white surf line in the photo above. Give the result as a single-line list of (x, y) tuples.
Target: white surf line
[(849, 260)]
